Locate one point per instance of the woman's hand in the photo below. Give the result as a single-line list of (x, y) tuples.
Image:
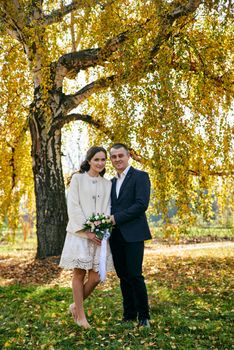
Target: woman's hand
[(93, 238)]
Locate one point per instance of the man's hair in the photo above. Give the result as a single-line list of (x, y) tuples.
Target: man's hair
[(120, 145)]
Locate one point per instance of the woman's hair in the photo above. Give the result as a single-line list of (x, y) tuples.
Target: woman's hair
[(84, 167), (89, 155)]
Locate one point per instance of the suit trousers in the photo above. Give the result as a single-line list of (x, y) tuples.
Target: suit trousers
[(128, 259)]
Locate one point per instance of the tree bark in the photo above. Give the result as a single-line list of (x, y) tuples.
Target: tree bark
[(51, 211)]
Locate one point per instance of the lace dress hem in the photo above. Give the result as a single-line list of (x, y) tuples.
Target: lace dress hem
[(68, 264)]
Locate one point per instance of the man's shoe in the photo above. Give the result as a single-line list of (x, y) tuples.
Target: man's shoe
[(144, 323), (127, 319)]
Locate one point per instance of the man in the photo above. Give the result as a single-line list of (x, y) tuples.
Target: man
[(129, 200)]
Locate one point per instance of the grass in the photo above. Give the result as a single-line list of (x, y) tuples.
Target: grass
[(191, 299), (193, 234), (18, 244)]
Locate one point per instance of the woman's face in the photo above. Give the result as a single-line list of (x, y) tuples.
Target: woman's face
[(98, 162)]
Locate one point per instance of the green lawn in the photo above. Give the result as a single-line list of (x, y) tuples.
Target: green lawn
[(190, 296), (192, 234)]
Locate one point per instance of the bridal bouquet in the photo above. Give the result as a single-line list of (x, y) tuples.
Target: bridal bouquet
[(98, 224), (101, 225)]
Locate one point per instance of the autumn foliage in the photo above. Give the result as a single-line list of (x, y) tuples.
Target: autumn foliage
[(156, 75)]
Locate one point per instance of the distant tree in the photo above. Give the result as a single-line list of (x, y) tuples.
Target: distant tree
[(154, 74)]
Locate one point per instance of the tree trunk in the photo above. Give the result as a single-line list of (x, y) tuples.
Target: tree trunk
[(49, 187)]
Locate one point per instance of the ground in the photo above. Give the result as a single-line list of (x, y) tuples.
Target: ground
[(190, 294), (22, 268)]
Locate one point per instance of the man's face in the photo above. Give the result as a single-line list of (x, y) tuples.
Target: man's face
[(119, 159)]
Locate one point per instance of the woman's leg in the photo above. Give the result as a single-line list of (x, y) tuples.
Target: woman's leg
[(78, 296), (81, 291), (91, 283)]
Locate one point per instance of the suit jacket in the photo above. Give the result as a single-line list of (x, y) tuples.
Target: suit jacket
[(130, 206)]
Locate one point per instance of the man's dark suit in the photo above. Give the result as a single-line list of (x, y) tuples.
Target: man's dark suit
[(127, 240)]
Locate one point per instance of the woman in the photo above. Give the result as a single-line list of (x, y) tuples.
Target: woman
[(89, 193)]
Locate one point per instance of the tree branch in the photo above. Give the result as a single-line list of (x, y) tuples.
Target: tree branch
[(12, 165), (13, 18), (167, 21), (60, 121), (56, 15), (211, 173), (72, 101), (69, 65), (218, 80), (184, 10)]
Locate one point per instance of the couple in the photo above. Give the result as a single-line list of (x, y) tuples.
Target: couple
[(126, 199)]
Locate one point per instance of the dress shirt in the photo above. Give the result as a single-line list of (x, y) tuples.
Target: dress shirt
[(120, 180)]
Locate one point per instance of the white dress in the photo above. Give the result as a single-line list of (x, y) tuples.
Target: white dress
[(86, 196)]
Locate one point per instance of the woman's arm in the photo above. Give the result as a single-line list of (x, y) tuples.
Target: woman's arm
[(75, 213)]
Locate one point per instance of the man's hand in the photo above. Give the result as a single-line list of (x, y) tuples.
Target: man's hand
[(113, 219), (92, 237)]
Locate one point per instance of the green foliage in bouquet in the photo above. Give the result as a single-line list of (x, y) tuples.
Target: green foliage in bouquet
[(98, 224)]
